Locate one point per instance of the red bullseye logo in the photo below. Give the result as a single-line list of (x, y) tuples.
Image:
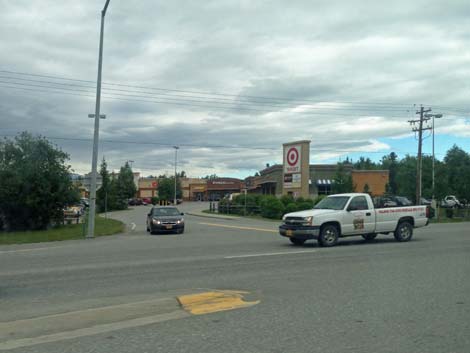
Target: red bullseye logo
[(292, 156)]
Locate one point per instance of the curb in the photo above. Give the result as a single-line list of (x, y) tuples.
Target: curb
[(214, 217)]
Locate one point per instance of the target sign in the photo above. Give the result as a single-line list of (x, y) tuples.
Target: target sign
[(292, 159), (292, 156)]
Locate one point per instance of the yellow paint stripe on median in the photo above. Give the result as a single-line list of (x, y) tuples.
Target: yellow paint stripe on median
[(238, 227), (211, 302)]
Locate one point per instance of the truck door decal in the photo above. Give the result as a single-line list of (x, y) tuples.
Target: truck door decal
[(358, 223)]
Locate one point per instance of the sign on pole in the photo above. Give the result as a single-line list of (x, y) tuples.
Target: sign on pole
[(87, 181)]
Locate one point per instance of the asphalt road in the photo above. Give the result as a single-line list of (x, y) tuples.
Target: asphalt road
[(381, 296)]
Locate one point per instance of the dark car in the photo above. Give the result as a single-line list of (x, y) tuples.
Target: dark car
[(165, 219), (135, 202)]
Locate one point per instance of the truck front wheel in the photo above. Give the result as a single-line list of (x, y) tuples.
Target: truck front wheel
[(297, 241), (404, 231), (329, 235)]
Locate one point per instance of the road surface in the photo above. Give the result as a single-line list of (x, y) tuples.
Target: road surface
[(117, 294)]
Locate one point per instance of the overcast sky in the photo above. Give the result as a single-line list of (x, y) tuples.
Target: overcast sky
[(210, 76)]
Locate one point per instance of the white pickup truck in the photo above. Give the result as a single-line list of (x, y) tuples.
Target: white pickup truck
[(345, 215)]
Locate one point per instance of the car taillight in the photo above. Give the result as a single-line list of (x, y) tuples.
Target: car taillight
[(428, 212)]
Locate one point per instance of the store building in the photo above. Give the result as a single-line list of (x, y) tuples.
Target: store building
[(220, 187), (372, 181), (147, 187), (321, 180), (194, 189)]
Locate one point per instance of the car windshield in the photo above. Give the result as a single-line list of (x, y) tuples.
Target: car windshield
[(332, 203), (167, 211)]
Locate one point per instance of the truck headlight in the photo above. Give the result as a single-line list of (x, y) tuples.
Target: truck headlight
[(309, 220), (156, 221)]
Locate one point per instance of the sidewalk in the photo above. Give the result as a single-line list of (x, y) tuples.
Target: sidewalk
[(195, 208), (213, 215)]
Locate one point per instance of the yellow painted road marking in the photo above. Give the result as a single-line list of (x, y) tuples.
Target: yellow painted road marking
[(88, 322), (238, 227), (211, 302)]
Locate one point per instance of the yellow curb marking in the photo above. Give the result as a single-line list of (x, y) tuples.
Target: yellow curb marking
[(211, 302), (238, 227)]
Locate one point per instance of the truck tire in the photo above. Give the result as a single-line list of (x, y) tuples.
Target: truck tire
[(369, 237), (329, 235), (296, 241), (404, 231)]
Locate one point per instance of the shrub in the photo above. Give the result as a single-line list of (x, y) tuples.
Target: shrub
[(287, 199), (449, 213), (154, 200), (291, 207), (272, 207), (305, 205)]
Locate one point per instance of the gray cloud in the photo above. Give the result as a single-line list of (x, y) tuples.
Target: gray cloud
[(305, 52)]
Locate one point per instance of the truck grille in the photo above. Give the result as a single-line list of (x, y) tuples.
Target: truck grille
[(294, 221)]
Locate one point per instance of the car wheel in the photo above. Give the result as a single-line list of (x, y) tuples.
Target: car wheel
[(297, 241), (329, 235), (404, 231), (369, 237), (180, 231)]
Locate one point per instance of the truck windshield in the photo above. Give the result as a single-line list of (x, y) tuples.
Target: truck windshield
[(332, 203)]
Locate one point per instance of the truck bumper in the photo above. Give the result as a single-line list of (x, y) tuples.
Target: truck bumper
[(299, 232)]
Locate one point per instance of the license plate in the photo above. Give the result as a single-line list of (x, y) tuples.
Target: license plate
[(169, 226), (289, 233)]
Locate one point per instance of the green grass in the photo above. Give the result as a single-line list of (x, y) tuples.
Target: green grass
[(66, 232)]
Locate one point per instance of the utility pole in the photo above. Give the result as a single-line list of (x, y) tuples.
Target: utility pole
[(176, 159), (94, 161), (419, 130)]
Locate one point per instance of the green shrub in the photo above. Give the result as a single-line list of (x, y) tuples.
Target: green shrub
[(272, 207), (287, 199), (305, 205), (291, 207), (154, 200), (449, 213)]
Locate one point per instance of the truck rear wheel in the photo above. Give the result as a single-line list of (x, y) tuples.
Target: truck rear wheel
[(297, 241), (369, 237), (329, 235), (404, 231)]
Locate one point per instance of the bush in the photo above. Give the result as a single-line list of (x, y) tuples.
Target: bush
[(287, 199), (291, 207), (272, 207), (449, 213), (305, 205), (154, 200)]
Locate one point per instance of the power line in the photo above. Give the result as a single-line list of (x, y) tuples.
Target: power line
[(136, 98), (187, 97), (306, 101), (170, 145)]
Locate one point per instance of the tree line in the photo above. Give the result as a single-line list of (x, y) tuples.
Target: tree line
[(452, 174)]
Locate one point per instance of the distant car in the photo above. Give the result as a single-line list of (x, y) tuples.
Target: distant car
[(165, 219), (84, 202), (135, 202), (451, 201), (425, 201), (402, 201), (146, 200)]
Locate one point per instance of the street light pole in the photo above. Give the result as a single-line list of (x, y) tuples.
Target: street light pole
[(437, 116), (94, 162), (176, 159)]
